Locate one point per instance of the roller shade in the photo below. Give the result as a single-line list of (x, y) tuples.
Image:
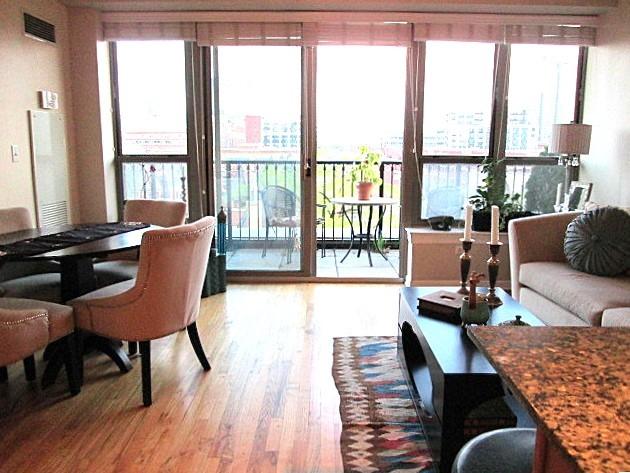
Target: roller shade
[(149, 31), (512, 34), (350, 33), (266, 34)]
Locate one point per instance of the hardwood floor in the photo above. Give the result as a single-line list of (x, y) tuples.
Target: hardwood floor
[(268, 404)]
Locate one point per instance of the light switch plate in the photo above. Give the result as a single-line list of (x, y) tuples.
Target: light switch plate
[(15, 153)]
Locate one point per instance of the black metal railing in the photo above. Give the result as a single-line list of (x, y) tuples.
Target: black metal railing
[(242, 181)]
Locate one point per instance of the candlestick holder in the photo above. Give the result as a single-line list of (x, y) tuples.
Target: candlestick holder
[(493, 272), (464, 264)]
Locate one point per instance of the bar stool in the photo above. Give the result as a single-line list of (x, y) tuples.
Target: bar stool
[(498, 451)]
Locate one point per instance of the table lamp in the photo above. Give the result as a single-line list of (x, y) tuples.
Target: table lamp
[(570, 140)]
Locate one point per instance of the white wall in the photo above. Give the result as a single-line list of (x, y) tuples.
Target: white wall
[(607, 108), (26, 66)]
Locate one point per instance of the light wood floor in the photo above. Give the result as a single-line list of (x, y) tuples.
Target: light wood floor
[(269, 403)]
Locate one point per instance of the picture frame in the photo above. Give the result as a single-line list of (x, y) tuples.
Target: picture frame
[(579, 194)]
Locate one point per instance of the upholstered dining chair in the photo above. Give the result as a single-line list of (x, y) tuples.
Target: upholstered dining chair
[(39, 280), (27, 326), (163, 299), (124, 266)]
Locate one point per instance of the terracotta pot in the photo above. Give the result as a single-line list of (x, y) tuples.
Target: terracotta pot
[(364, 190)]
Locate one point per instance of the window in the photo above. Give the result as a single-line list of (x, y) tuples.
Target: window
[(152, 97), (360, 102), (457, 98), (257, 154), (152, 153), (541, 93), (458, 118)]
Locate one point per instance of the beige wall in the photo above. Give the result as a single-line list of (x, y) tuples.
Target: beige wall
[(92, 104), (26, 66), (607, 108)]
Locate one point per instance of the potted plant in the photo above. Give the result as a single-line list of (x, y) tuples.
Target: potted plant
[(488, 195), (365, 173)]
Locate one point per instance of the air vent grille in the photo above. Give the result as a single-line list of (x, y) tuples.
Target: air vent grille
[(39, 29)]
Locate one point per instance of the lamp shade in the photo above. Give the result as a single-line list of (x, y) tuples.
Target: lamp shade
[(570, 138)]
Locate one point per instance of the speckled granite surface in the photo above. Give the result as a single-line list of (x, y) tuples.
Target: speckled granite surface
[(575, 382)]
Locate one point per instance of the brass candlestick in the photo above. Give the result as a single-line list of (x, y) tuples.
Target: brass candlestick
[(464, 264), (493, 272)]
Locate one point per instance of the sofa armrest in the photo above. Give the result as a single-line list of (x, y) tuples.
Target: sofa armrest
[(538, 238)]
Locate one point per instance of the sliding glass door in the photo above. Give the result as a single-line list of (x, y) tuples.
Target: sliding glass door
[(257, 154)]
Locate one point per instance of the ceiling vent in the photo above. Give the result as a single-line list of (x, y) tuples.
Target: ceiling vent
[(39, 29)]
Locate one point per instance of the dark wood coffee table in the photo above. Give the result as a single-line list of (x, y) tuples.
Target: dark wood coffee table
[(447, 375)]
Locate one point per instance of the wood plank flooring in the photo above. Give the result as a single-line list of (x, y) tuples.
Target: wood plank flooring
[(269, 404)]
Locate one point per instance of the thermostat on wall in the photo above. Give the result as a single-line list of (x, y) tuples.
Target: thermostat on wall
[(48, 99)]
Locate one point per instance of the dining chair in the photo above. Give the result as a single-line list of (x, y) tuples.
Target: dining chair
[(27, 326), (163, 299), (39, 280), (124, 266)]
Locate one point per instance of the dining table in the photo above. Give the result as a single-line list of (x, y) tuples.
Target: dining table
[(348, 206), (75, 248), (575, 383)]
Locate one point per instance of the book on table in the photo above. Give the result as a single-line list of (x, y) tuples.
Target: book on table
[(443, 304)]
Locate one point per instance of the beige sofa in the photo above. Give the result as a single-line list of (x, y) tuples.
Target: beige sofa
[(544, 283)]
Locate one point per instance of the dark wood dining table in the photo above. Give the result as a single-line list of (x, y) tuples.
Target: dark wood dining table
[(77, 278)]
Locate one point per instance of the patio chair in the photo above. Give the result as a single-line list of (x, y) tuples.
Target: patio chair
[(280, 212)]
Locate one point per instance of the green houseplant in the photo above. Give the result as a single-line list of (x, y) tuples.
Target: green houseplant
[(365, 172), (489, 194)]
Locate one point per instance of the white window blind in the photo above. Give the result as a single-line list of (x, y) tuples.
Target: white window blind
[(265, 34), (514, 34), (149, 31), (379, 34)]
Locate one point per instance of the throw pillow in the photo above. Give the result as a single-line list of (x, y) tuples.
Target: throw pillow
[(598, 242)]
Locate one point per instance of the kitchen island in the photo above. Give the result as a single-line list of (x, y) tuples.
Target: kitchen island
[(575, 382)]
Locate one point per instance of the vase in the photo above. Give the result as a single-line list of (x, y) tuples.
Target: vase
[(477, 316), (364, 190)]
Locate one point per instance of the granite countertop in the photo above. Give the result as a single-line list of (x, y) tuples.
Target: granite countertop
[(575, 381)]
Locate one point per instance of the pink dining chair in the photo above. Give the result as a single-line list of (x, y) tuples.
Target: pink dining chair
[(163, 299)]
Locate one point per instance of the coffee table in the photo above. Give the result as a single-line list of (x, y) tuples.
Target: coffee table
[(447, 375)]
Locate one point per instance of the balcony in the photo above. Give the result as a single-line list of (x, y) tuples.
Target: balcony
[(445, 188)]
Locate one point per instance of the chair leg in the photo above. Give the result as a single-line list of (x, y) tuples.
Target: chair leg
[(70, 361), (193, 334), (264, 253), (29, 368), (145, 358), (4, 374), (133, 348)]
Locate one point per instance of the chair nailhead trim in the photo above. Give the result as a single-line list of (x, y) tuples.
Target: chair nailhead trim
[(32, 317)]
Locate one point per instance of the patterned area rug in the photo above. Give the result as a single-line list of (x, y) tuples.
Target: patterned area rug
[(381, 431)]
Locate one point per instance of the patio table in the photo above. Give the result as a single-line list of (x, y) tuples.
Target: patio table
[(351, 202)]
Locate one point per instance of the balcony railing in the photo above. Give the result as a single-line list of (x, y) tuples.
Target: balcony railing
[(445, 188), (242, 181)]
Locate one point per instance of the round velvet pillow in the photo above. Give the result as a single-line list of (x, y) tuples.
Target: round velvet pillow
[(598, 242)]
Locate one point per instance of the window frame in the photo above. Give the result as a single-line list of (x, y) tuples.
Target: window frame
[(190, 158), (498, 122)]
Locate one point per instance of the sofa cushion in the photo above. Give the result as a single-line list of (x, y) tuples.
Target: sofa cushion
[(619, 317), (598, 242), (582, 294), (548, 311)]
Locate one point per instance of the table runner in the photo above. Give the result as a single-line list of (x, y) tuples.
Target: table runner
[(76, 236)]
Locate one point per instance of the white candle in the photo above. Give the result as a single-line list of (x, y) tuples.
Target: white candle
[(559, 194), (494, 229), (468, 223)]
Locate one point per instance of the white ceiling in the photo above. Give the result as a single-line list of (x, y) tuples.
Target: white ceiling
[(558, 7)]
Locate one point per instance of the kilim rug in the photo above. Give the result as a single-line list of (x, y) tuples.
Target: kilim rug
[(380, 429)]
